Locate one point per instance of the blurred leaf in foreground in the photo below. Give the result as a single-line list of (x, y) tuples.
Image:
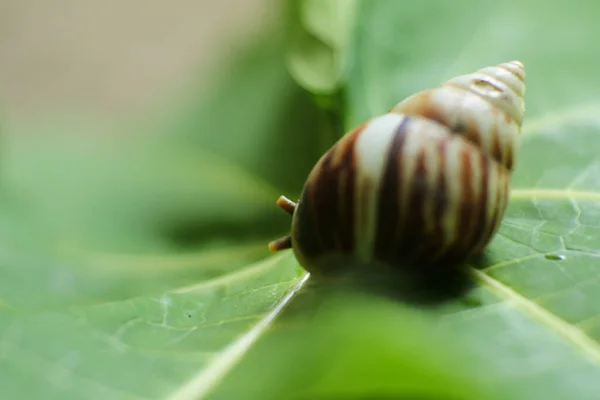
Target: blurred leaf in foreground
[(348, 345)]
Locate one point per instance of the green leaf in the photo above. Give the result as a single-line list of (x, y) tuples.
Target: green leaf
[(141, 346)]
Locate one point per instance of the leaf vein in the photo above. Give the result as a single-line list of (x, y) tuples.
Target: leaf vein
[(256, 268), (511, 262), (566, 194)]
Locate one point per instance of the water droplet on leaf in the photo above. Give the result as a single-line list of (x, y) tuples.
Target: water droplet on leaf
[(555, 257)]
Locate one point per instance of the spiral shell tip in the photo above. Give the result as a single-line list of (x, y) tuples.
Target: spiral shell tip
[(516, 68), (518, 64)]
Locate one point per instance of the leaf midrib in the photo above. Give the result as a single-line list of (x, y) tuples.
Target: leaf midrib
[(541, 193)]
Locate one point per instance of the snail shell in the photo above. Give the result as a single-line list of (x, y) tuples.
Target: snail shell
[(426, 183)]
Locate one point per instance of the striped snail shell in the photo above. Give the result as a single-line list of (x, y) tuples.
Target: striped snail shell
[(426, 183)]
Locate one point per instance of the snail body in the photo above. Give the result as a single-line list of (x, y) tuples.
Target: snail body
[(426, 183)]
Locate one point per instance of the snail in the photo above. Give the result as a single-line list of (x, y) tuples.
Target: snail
[(426, 183)]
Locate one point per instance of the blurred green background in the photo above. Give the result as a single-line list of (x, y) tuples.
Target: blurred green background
[(143, 146)]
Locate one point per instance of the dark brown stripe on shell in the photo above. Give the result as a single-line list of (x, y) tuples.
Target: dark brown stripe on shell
[(305, 231), (437, 237), (495, 138), (311, 229), (346, 201), (411, 231), (508, 148), (481, 220), (325, 203), (315, 203), (468, 204), (327, 220), (388, 207), (509, 155)]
